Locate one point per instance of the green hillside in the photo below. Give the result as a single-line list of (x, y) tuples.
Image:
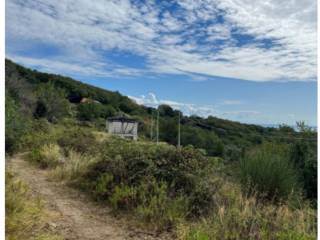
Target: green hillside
[(228, 180), (218, 137)]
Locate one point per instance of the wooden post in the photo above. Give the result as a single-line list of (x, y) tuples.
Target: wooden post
[(158, 126), (151, 127), (179, 130)]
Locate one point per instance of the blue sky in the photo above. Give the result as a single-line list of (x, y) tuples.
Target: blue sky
[(249, 61)]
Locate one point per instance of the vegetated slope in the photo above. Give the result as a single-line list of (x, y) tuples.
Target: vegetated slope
[(177, 190), (266, 195), (218, 137), (72, 214)]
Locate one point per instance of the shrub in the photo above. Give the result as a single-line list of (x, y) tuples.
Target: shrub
[(267, 171), (123, 197), (16, 125), (52, 103), (92, 110), (73, 167), (41, 133), (160, 184), (78, 139), (158, 209), (48, 155)]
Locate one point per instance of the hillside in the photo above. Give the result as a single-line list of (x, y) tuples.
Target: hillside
[(218, 137), (227, 181)]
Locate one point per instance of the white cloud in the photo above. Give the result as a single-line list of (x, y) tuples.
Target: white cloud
[(188, 41), (187, 108), (232, 102), (240, 113), (76, 68)]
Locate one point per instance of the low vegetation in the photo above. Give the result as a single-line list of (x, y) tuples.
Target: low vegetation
[(268, 172), (182, 190)]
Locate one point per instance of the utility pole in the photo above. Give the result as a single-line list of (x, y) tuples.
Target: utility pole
[(151, 128), (179, 130), (158, 126)]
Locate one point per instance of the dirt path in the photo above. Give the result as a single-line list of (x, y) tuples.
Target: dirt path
[(77, 217)]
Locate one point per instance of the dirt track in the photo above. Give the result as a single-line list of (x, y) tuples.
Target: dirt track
[(76, 216)]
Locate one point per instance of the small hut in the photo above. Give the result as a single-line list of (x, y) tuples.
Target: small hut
[(123, 126)]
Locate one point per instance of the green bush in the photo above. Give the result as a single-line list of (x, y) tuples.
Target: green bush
[(16, 125), (159, 183), (157, 208), (92, 110), (79, 139), (268, 172), (52, 103)]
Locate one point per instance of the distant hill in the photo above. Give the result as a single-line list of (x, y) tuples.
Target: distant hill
[(218, 137)]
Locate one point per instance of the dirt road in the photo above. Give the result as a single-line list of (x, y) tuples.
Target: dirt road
[(76, 216)]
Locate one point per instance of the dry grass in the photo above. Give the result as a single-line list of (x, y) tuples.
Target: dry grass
[(25, 216), (74, 166), (237, 217)]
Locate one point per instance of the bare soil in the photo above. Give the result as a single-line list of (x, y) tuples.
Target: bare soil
[(76, 216)]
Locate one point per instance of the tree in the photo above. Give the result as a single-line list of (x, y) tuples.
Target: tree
[(15, 125), (92, 110), (52, 103)]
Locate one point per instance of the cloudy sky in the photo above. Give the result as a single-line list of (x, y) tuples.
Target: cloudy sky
[(250, 61)]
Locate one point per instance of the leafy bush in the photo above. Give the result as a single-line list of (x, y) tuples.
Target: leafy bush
[(52, 103), (157, 208), (91, 110), (159, 183), (268, 172), (304, 156), (81, 140), (40, 132), (16, 125)]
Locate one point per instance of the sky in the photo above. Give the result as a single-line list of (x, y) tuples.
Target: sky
[(243, 60)]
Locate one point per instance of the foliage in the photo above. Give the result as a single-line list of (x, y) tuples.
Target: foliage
[(212, 134), (268, 172), (303, 153), (161, 185), (147, 178), (16, 125), (91, 110), (79, 139), (52, 103), (202, 139)]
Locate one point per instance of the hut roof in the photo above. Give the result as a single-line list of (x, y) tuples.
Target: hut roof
[(122, 119)]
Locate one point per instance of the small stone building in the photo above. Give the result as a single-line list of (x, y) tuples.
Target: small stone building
[(123, 126)]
